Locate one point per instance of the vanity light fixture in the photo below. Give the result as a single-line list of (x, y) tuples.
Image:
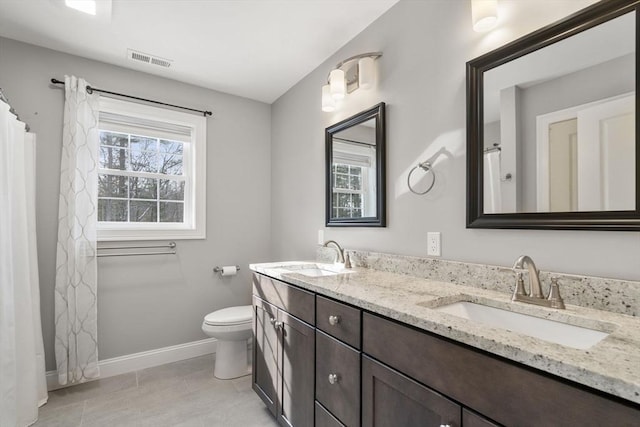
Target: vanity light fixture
[(98, 11), (349, 75), (484, 15), (328, 103), (86, 6)]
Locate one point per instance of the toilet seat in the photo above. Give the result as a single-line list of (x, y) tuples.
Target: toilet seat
[(230, 316)]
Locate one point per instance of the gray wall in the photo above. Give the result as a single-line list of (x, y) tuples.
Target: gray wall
[(151, 302), (421, 77)]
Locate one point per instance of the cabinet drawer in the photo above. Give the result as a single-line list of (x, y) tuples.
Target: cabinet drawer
[(342, 397), (338, 320), (507, 392), (295, 301), (325, 419)]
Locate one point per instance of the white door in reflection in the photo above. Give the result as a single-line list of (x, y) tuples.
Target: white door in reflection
[(586, 157)]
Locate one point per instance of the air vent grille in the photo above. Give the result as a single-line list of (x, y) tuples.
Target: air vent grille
[(148, 59)]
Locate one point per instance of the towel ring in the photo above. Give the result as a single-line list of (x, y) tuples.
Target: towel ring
[(426, 167)]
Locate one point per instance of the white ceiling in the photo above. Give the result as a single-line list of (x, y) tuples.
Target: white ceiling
[(252, 48)]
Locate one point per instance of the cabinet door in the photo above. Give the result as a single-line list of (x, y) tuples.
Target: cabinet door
[(390, 399), (265, 353), (325, 419), (296, 385), (469, 419)]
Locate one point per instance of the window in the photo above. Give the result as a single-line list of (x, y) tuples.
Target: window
[(151, 176), (353, 179), (348, 194)]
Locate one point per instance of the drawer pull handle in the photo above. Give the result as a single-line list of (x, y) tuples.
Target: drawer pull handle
[(334, 320), (445, 425), (278, 325), (334, 378), (272, 320)]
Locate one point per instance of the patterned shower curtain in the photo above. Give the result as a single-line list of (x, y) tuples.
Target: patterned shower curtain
[(76, 340)]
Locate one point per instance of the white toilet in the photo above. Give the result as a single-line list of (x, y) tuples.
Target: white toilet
[(232, 327)]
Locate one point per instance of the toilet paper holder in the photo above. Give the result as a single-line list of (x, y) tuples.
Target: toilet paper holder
[(217, 269)]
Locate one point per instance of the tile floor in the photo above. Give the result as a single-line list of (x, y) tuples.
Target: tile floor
[(181, 394)]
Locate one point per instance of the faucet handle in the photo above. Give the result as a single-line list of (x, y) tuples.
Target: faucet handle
[(347, 260), (554, 297), (519, 285)]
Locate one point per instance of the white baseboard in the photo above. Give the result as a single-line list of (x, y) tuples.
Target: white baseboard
[(145, 359)]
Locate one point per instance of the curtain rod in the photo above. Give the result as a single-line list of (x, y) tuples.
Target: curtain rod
[(91, 89), (492, 149), (353, 141), (12, 110)]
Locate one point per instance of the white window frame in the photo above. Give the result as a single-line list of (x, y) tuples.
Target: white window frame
[(364, 182), (194, 165)]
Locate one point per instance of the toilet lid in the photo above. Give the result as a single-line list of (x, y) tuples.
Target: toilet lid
[(230, 316)]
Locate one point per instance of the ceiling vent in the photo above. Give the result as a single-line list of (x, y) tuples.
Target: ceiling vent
[(148, 59)]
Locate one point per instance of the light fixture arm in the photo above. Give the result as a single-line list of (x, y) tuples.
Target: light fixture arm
[(348, 61)]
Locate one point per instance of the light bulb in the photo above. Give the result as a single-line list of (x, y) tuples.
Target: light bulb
[(328, 103), (484, 14), (86, 6), (366, 72), (337, 83)]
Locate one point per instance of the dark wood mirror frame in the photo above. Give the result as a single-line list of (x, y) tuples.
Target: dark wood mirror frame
[(379, 220), (596, 220)]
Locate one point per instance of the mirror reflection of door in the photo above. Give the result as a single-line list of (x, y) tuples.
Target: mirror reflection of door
[(563, 166), (588, 157)]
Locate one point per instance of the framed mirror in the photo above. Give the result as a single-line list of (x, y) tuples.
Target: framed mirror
[(355, 170), (552, 135)]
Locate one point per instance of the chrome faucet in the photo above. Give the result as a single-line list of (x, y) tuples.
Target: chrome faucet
[(535, 295), (339, 250)]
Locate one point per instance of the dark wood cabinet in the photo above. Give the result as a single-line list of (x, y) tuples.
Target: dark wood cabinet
[(338, 379), (509, 393), (469, 419), (392, 374), (390, 399), (324, 418), (284, 352), (265, 353), (296, 388)]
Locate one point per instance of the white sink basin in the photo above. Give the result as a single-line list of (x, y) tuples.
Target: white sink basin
[(317, 270), (544, 329)]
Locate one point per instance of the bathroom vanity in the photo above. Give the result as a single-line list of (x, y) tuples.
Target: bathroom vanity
[(368, 348)]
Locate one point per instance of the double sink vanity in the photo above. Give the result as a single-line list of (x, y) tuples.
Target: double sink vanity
[(361, 346)]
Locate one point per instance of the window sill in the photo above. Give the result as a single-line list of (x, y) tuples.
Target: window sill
[(168, 234)]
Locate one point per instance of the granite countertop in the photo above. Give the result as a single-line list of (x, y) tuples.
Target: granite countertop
[(612, 365)]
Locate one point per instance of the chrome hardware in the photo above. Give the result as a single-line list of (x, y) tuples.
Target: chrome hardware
[(426, 167), (272, 320), (278, 325), (334, 378), (339, 250), (334, 320), (535, 296), (445, 425)]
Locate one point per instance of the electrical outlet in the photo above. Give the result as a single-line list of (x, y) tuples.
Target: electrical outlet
[(433, 243), (321, 237)]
